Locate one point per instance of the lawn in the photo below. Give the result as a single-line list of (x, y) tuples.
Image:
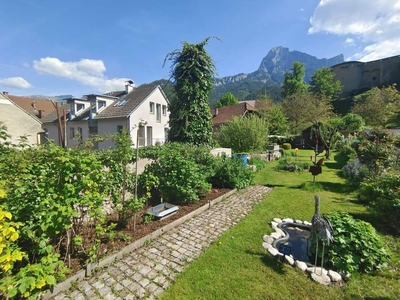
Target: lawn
[(238, 267)]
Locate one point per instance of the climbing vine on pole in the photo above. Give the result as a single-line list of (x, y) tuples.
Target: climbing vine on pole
[(192, 72)]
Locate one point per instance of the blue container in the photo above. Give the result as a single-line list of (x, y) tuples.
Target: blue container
[(242, 157)]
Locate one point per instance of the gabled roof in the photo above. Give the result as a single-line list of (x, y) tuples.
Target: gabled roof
[(133, 100), (28, 104), (227, 113), (52, 117)]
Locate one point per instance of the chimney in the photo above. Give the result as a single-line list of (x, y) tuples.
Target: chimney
[(129, 86), (41, 113), (216, 112), (5, 94)]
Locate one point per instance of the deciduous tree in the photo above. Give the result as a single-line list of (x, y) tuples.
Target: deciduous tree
[(227, 99), (294, 81), (378, 107), (323, 83)]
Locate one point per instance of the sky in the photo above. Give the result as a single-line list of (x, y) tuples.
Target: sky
[(79, 47)]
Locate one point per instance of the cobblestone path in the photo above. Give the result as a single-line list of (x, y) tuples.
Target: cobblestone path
[(146, 272)]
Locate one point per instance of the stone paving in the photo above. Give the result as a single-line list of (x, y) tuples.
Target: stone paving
[(146, 272)]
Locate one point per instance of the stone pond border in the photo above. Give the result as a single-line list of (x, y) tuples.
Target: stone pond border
[(65, 285), (327, 277)]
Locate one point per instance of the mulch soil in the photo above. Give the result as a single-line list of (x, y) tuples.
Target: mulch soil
[(125, 236)]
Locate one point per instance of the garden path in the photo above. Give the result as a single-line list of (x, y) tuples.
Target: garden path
[(146, 272)]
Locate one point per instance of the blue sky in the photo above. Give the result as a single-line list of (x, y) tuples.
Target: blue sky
[(81, 47)]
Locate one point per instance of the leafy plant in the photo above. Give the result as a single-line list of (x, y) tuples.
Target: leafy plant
[(357, 246), (181, 179), (382, 194), (355, 172), (288, 164), (244, 134), (258, 162), (230, 173)]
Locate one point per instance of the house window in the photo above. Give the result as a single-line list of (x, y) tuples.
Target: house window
[(72, 133), (119, 128), (101, 104), (79, 106), (164, 110), (79, 132), (152, 107), (72, 109), (158, 112)]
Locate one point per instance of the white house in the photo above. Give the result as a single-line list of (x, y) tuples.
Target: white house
[(143, 111), (19, 122)]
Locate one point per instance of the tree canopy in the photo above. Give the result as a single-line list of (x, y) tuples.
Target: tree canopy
[(323, 83), (192, 71), (378, 107), (294, 81), (227, 99)]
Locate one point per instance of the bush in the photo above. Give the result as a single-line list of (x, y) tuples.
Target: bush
[(286, 146), (357, 246), (230, 173), (355, 172), (244, 134), (258, 162), (288, 164), (382, 194), (181, 179)]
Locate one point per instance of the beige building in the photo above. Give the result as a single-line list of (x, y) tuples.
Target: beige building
[(19, 122)]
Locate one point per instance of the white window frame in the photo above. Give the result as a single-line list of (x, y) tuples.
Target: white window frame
[(158, 112), (164, 110), (152, 108)]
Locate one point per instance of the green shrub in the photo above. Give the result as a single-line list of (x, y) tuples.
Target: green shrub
[(244, 134), (258, 162), (382, 194), (286, 146), (357, 246), (355, 172), (230, 173), (288, 164), (181, 179)]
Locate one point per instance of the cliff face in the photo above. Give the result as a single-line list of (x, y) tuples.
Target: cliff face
[(279, 61), (271, 72)]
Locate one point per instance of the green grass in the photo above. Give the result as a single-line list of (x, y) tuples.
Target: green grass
[(238, 267)]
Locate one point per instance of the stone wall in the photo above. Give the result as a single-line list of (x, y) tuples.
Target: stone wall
[(357, 77)]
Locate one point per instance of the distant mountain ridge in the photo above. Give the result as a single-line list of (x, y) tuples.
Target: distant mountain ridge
[(270, 75), (59, 98)]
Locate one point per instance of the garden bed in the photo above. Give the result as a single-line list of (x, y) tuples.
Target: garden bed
[(144, 227)]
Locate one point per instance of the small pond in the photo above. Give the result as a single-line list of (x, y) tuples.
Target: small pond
[(296, 242)]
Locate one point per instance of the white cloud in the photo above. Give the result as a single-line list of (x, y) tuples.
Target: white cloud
[(86, 71), (16, 83), (376, 23), (349, 42)]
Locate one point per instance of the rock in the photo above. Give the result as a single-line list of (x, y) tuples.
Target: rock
[(289, 259), (335, 277), (318, 270), (268, 239), (280, 231), (298, 221), (267, 246), (277, 220), (276, 235), (288, 220), (274, 251), (274, 224), (322, 279), (307, 223), (301, 265)]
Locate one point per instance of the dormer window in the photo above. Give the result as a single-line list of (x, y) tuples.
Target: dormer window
[(101, 104), (72, 109), (79, 106)]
